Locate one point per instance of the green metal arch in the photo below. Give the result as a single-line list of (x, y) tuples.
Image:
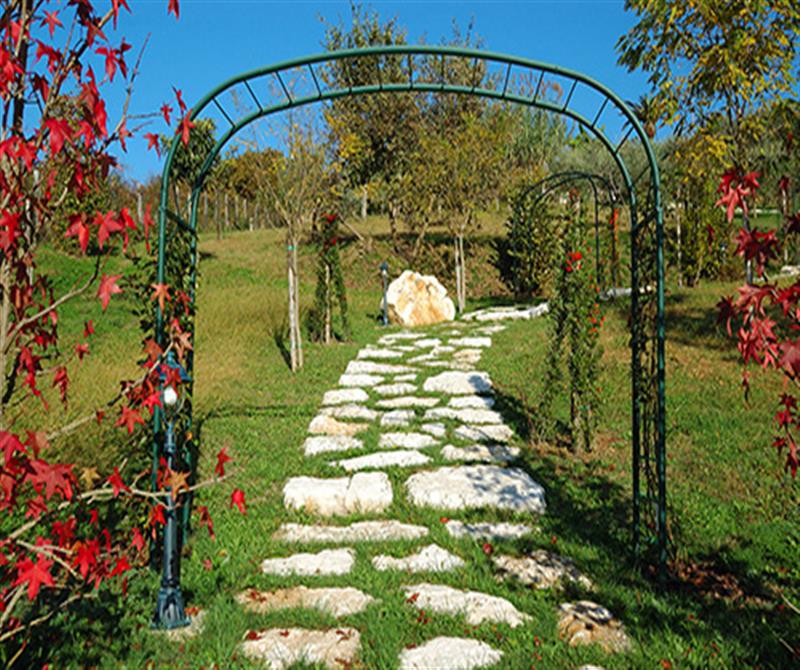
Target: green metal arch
[(647, 341)]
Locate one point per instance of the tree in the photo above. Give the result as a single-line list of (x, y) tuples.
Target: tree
[(330, 284)]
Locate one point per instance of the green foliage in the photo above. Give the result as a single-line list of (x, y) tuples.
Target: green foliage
[(189, 159), (330, 285), (575, 333)]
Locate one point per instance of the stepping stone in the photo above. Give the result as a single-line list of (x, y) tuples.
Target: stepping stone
[(371, 368), (427, 343), (407, 401), (408, 377), (402, 335), (359, 380), (383, 459), (480, 452), (476, 607), (473, 401), (476, 486), (326, 562), (491, 330), (435, 429), (440, 364), (327, 425), (357, 412), (428, 559), (337, 602), (398, 417), (487, 433), (507, 313), (465, 414), (541, 569), (395, 389), (281, 648), (488, 531), (443, 349), (406, 440), (423, 357), (341, 396), (321, 444), (360, 531), (384, 354), (472, 342), (363, 492), (453, 382), (586, 622), (453, 653)]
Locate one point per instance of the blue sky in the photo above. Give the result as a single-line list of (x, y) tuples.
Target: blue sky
[(215, 39)]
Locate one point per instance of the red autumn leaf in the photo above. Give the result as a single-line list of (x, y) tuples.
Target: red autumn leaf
[(79, 229), (108, 287), (53, 477), (116, 482), (184, 127), (86, 556), (161, 294), (138, 540), (10, 444), (88, 328), (157, 515), (205, 519), (174, 8), (51, 20), (488, 549), (107, 224), (35, 575), (59, 134), (166, 110), (179, 98), (237, 498), (147, 224), (61, 381), (153, 142), (129, 418), (81, 350), (121, 566), (115, 5), (222, 458)]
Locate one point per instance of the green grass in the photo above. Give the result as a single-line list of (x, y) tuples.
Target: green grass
[(735, 517)]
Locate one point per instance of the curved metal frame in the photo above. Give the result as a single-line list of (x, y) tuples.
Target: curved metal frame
[(647, 322)]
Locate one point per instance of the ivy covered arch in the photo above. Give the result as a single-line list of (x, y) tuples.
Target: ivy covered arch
[(596, 109)]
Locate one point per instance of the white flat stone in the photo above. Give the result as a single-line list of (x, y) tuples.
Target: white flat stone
[(337, 602), (398, 418), (421, 358), (407, 401), (363, 492), (541, 569), (508, 313), (342, 396), (372, 368), (474, 401), (401, 335), (435, 429), (327, 425), (476, 486), (384, 459), (465, 414), (491, 330), (321, 444), (380, 354), (452, 653), (360, 531), (357, 412), (488, 531), (454, 382), (428, 559), (395, 389), (281, 648), (406, 440), (326, 562), (480, 452), (408, 377), (359, 380), (472, 341), (485, 433), (442, 349), (427, 342), (476, 607)]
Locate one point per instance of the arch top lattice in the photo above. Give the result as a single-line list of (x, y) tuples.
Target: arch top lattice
[(430, 70)]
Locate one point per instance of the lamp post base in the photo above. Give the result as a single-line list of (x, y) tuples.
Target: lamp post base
[(170, 612)]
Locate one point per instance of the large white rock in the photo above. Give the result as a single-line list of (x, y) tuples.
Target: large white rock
[(363, 492), (418, 300), (488, 530), (475, 486), (398, 417), (465, 414), (428, 559), (485, 433), (372, 368), (361, 531), (406, 440), (453, 653), (435, 429), (342, 396), (322, 443), (327, 425), (476, 607), (454, 382), (337, 602), (493, 453), (384, 459), (407, 401), (474, 401), (281, 648), (357, 412), (326, 562)]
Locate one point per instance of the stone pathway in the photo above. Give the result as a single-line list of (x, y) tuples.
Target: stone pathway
[(416, 406)]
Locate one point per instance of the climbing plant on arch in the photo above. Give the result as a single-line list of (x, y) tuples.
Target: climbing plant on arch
[(430, 70)]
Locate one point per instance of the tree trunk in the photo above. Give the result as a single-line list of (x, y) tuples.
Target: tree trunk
[(680, 258), (297, 334), (328, 304), (459, 272), (225, 224), (393, 222), (235, 212), (295, 351), (364, 202), (217, 220)]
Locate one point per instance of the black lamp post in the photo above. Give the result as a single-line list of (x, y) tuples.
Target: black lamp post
[(170, 612), (385, 277)]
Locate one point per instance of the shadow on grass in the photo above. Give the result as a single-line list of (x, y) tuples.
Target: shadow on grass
[(715, 604)]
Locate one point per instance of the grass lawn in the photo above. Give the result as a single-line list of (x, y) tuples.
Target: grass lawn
[(734, 514)]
